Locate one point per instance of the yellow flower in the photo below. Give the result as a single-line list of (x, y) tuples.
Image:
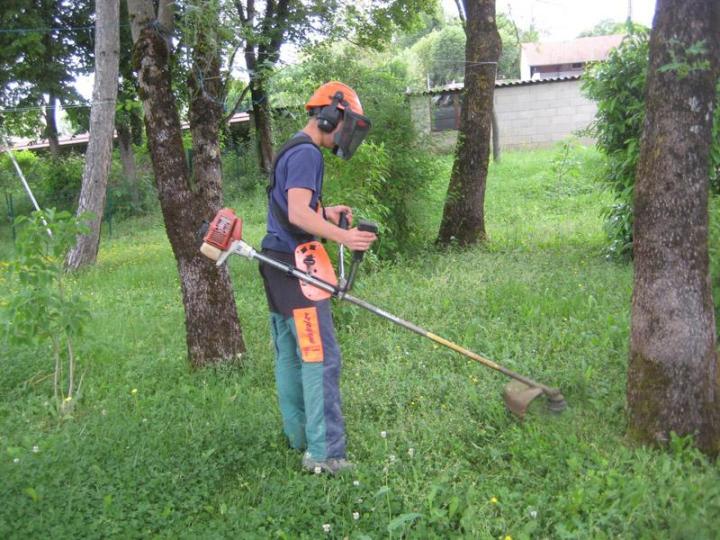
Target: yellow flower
[(133, 391), (494, 500), (508, 537), (68, 399)]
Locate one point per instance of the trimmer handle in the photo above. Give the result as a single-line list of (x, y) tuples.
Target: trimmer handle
[(343, 221), (367, 226)]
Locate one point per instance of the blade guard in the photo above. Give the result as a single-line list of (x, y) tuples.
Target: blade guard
[(223, 230), (312, 258)]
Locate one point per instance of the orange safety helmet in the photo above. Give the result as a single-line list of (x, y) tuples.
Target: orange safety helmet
[(332, 103), (324, 95)]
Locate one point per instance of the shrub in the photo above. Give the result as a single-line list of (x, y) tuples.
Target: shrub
[(40, 309), (55, 181), (241, 171), (618, 87)]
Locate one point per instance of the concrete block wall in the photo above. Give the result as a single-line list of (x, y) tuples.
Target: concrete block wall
[(529, 115)]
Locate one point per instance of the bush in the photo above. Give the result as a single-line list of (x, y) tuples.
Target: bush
[(714, 247), (55, 181), (40, 309), (241, 171), (618, 87)]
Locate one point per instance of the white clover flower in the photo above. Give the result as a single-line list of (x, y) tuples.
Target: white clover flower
[(318, 470), (356, 515), (356, 483), (326, 527), (383, 434), (16, 460), (392, 458), (36, 449), (411, 452), (533, 514)]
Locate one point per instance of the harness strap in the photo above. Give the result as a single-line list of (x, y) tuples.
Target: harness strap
[(275, 208)]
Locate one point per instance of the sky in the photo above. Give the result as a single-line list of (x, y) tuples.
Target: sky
[(560, 20)]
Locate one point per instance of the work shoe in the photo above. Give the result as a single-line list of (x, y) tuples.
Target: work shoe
[(327, 466)]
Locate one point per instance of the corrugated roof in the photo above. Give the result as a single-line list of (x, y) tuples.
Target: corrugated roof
[(83, 138), (457, 88), (587, 49)]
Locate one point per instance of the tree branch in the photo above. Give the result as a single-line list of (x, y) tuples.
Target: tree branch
[(237, 104)]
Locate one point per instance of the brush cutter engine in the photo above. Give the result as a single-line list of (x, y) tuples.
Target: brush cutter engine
[(225, 228)]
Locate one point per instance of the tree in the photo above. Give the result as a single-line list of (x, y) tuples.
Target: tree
[(49, 46), (102, 124), (494, 125), (213, 330), (294, 21), (128, 114), (608, 27), (673, 378), (463, 217), (442, 55)]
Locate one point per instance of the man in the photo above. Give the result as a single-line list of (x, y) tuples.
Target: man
[(308, 378)]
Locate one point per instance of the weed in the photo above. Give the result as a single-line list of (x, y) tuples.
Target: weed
[(200, 453)]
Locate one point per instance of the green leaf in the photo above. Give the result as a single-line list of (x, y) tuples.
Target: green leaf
[(402, 520)]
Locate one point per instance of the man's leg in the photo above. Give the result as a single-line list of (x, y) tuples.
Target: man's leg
[(288, 378), (318, 348)]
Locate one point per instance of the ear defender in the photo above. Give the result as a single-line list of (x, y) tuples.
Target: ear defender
[(329, 116)]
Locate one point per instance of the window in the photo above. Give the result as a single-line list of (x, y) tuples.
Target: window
[(446, 111)]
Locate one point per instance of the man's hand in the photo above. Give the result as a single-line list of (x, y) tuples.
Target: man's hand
[(358, 240), (333, 213)]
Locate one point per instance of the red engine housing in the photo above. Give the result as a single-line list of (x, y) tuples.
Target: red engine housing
[(224, 228)]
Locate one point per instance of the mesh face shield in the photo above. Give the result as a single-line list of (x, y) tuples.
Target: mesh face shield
[(352, 133)]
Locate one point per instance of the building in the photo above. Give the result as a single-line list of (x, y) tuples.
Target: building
[(79, 142), (564, 58), (545, 107), (529, 113)]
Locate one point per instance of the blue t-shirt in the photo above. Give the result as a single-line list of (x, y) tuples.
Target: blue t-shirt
[(300, 167)]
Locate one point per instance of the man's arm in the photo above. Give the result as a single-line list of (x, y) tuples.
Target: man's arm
[(301, 215)]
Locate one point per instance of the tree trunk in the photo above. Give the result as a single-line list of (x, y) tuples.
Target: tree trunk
[(127, 159), (263, 124), (51, 132), (211, 322), (102, 121), (673, 379), (261, 110), (463, 218), (495, 138)]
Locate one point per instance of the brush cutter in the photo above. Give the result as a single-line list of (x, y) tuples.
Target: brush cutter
[(224, 238)]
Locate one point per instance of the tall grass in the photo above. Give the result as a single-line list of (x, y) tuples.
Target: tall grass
[(155, 449)]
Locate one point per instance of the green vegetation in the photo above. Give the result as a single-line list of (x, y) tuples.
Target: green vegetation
[(618, 87), (153, 449)]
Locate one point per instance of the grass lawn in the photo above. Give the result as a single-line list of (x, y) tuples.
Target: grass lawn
[(156, 450)]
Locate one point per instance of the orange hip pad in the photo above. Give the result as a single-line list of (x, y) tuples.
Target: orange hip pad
[(308, 332), (312, 258)]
